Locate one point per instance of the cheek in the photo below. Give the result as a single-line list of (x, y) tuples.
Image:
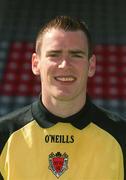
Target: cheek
[(83, 69), (47, 71)]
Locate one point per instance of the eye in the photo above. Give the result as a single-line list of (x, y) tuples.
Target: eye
[(52, 54), (78, 55)]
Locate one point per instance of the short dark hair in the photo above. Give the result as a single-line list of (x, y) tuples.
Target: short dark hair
[(66, 23)]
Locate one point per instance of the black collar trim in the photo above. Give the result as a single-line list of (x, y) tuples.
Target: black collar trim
[(46, 119)]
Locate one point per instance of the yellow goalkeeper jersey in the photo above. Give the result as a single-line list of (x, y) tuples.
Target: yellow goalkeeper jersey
[(37, 145)]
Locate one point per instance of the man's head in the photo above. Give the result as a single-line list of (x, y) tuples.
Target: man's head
[(65, 23), (64, 61)]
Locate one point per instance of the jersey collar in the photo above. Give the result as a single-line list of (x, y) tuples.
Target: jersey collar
[(46, 119)]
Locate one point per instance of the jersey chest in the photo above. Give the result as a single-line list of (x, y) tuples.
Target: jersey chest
[(62, 151)]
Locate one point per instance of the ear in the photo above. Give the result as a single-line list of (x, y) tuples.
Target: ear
[(92, 66), (35, 64)]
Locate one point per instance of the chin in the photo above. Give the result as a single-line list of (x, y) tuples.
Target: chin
[(65, 94), (64, 97)]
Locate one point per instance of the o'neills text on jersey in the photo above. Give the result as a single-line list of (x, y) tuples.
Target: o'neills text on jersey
[(59, 138)]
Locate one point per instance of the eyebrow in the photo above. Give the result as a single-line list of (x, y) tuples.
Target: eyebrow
[(54, 51), (69, 51), (77, 52)]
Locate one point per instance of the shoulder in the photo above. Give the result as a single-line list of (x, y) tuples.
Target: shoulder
[(102, 115), (110, 122), (12, 122), (108, 115), (16, 119)]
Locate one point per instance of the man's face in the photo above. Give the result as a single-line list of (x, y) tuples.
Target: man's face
[(63, 65)]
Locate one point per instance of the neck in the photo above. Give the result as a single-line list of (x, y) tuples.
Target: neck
[(63, 108)]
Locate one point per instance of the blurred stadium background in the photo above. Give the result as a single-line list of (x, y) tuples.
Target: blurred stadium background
[(19, 24)]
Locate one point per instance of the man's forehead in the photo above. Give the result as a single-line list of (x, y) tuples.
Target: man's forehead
[(54, 31), (56, 37)]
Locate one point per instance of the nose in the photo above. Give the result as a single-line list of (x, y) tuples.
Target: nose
[(64, 63)]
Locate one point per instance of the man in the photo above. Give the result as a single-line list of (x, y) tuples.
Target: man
[(63, 134)]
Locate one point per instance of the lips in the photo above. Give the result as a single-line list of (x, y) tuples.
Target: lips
[(65, 78)]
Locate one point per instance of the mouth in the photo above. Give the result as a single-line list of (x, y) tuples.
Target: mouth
[(66, 79)]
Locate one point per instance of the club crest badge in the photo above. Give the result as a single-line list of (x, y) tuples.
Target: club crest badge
[(58, 163)]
